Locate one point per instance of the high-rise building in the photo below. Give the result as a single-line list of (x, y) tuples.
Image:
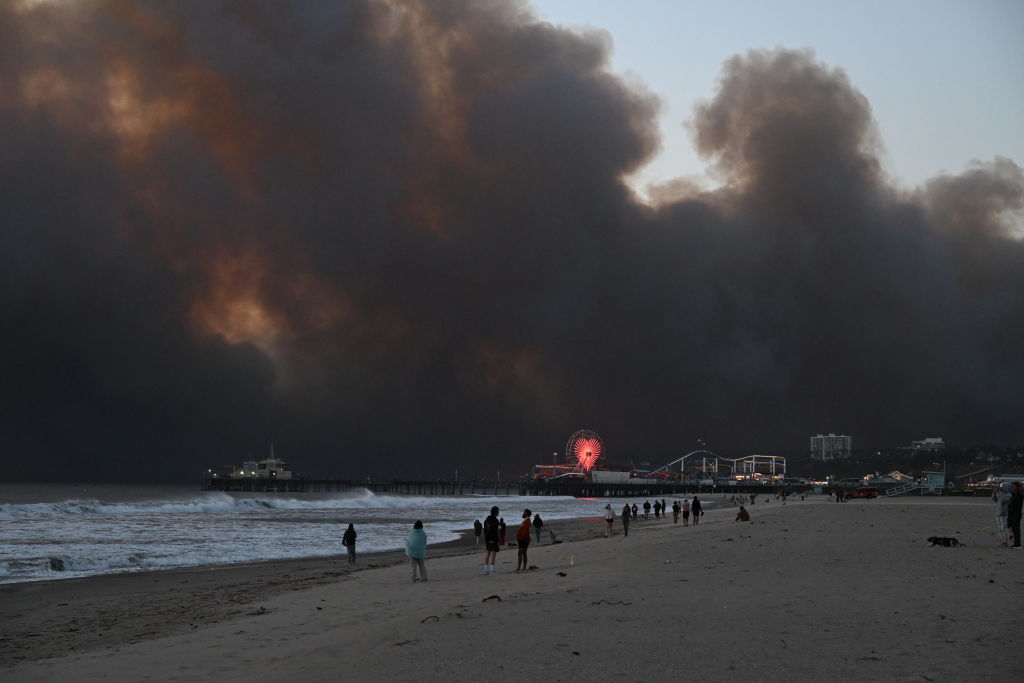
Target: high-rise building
[(830, 447)]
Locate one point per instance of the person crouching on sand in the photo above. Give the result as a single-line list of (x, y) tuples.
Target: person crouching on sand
[(609, 520), (348, 539), (523, 536), (742, 515), (416, 551)]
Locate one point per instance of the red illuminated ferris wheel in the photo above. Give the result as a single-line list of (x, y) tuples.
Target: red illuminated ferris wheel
[(584, 450)]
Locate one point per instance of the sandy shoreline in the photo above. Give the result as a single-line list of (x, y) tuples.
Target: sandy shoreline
[(808, 590), (50, 618)]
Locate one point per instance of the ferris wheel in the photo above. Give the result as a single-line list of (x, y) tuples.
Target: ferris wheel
[(584, 449)]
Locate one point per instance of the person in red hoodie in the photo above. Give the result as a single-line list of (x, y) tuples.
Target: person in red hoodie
[(523, 536)]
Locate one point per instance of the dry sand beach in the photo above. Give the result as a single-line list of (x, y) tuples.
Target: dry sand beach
[(807, 591)]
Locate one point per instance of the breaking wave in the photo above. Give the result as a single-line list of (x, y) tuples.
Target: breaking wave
[(223, 502)]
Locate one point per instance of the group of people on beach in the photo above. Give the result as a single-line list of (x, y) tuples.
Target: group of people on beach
[(494, 537), (632, 512), (492, 530), (478, 529), (415, 549), (1007, 496)]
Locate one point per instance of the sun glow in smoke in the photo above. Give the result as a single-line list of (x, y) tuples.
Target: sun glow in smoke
[(232, 305)]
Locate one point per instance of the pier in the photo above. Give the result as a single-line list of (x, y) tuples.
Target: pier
[(583, 488), (576, 488), (394, 487)]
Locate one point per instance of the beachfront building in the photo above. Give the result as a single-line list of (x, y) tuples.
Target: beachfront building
[(933, 444), (831, 447)]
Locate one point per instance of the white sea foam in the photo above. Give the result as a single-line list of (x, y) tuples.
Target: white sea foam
[(126, 529), (222, 502)]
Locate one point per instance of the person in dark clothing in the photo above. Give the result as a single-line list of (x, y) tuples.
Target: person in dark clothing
[(657, 509), (675, 512), (647, 508), (1014, 513), (491, 543), (626, 514), (538, 525), (635, 511), (348, 539), (502, 528), (695, 508), (478, 529)]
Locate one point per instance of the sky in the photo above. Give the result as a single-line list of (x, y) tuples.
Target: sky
[(940, 74), (400, 238)]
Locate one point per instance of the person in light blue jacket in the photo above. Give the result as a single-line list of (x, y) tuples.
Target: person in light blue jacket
[(1001, 496), (416, 551)]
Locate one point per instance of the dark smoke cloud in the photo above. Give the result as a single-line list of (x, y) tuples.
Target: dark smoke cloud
[(395, 235)]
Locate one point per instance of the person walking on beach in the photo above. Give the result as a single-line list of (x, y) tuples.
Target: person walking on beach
[(625, 519), (523, 537), (675, 511), (491, 543), (502, 528), (538, 525), (686, 512), (1001, 496), (634, 511), (609, 520), (348, 539), (657, 510), (647, 508), (478, 529), (1014, 513), (695, 506), (416, 551)]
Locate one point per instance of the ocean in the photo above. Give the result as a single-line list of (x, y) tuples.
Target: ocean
[(52, 531)]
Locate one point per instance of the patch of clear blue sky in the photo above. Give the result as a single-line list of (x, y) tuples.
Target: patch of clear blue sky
[(945, 78)]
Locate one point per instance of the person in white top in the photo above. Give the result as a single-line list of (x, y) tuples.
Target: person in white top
[(609, 520)]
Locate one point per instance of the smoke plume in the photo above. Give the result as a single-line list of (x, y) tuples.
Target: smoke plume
[(396, 237)]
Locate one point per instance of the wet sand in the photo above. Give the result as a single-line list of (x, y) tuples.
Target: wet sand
[(806, 591)]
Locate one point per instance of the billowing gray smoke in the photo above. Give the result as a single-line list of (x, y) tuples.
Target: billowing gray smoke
[(396, 236)]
